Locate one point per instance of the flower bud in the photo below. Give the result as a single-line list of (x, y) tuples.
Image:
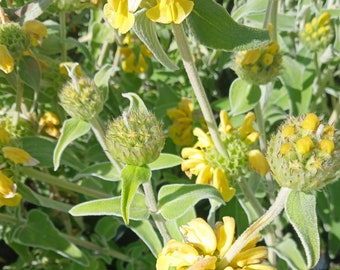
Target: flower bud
[(318, 33), (258, 66), (306, 159), (81, 98), (135, 138), (16, 41)]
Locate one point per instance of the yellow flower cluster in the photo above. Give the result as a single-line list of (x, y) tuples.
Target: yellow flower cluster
[(210, 167), (15, 40), (120, 13), (259, 66), (304, 154), (134, 62), (318, 33), (184, 118), (49, 122), (205, 248)]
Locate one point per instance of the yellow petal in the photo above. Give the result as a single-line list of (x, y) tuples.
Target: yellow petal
[(304, 145), (220, 182), (204, 139), (247, 126), (205, 176), (327, 146), (310, 122), (225, 125), (5, 137), (18, 155), (36, 30), (225, 234), (258, 162), (6, 60)]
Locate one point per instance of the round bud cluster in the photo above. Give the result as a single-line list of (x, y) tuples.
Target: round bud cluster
[(13, 37), (80, 98), (135, 138), (318, 33), (305, 153), (259, 66)]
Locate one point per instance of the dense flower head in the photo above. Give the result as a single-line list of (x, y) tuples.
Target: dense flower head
[(318, 33), (204, 248), (135, 138), (8, 194), (81, 98), (184, 118), (210, 167), (305, 153), (259, 66), (120, 13), (15, 41)]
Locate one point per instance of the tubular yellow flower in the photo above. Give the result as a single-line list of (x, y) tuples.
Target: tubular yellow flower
[(18, 156), (168, 11), (36, 30), (200, 235), (247, 126), (120, 15), (8, 194), (184, 118), (258, 162), (310, 122), (205, 248), (304, 145), (6, 60)]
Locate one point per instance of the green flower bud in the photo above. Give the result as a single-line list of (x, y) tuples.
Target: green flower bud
[(16, 41), (80, 98), (258, 66), (135, 138), (305, 153)]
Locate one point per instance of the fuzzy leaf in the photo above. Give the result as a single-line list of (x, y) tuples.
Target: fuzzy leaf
[(72, 129), (132, 177), (243, 96), (165, 161), (105, 171), (213, 27), (136, 103), (146, 32), (176, 200), (31, 235), (112, 207), (301, 212)]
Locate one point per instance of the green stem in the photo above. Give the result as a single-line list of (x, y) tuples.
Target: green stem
[(18, 100), (62, 23), (56, 181), (271, 19), (100, 135), (157, 217), (256, 227), (197, 86)]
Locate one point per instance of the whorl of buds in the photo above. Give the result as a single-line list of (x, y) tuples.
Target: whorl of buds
[(258, 66), (305, 153), (135, 138), (81, 99), (13, 37)]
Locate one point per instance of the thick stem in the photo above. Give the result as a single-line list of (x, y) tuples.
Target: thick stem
[(197, 86), (100, 135), (159, 220), (62, 23), (56, 181), (256, 227)]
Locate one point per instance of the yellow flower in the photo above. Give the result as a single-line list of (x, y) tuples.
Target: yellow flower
[(18, 156), (304, 145), (119, 14), (210, 167), (258, 162), (204, 248), (168, 11), (8, 194), (49, 122), (310, 122), (6, 60), (37, 31)]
